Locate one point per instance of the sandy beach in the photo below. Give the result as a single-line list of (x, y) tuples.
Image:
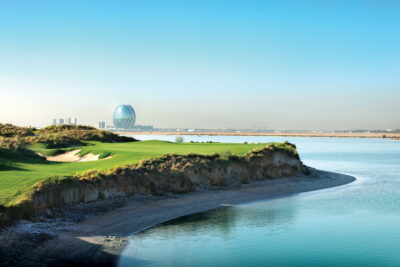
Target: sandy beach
[(99, 239)]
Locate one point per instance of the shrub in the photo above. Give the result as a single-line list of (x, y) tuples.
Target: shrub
[(9, 130), (102, 195), (16, 145), (226, 155), (117, 170), (90, 174), (104, 155), (58, 141), (78, 133), (83, 153), (61, 136), (214, 155), (4, 220), (179, 140)]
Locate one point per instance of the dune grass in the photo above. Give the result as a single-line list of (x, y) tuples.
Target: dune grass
[(19, 173), (41, 148)]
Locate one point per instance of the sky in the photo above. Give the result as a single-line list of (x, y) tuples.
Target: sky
[(304, 64)]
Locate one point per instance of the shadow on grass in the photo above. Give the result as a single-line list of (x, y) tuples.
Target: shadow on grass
[(11, 167), (14, 161)]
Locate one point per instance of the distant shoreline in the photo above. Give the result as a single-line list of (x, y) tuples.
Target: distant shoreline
[(338, 135)]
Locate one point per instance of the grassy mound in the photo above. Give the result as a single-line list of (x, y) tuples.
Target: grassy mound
[(168, 162), (20, 172), (68, 135), (62, 136), (141, 160), (9, 130)]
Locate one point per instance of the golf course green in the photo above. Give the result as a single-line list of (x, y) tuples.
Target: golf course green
[(19, 173)]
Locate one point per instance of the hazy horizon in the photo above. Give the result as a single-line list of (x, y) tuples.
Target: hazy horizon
[(308, 64)]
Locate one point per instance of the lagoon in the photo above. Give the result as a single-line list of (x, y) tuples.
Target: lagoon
[(355, 224)]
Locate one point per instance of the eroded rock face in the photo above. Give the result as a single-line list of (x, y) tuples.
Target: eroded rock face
[(170, 174)]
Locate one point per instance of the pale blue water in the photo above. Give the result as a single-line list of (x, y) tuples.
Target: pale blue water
[(352, 225)]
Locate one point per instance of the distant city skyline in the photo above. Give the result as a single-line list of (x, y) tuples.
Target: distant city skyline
[(312, 65)]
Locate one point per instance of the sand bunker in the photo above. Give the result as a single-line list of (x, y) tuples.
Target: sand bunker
[(67, 157), (89, 157), (73, 156)]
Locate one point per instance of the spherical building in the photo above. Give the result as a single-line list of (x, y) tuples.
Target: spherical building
[(124, 117)]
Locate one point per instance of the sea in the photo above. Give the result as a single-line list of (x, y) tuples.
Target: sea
[(357, 224)]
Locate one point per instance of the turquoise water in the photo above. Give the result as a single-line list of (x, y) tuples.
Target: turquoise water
[(356, 224)]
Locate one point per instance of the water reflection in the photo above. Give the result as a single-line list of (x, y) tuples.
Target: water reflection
[(225, 223), (222, 220)]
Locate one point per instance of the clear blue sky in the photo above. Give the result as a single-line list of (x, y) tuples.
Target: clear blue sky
[(214, 64)]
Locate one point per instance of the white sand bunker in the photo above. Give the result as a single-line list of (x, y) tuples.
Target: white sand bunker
[(73, 156)]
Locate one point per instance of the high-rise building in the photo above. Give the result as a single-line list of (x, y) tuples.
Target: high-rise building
[(102, 124), (69, 121), (75, 122), (61, 122), (54, 122)]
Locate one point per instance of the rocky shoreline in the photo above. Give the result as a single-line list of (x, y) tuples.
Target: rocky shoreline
[(95, 233)]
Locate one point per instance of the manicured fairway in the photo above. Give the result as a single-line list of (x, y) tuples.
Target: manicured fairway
[(18, 174)]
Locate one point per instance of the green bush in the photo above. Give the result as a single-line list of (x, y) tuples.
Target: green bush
[(102, 195), (16, 146), (226, 155), (83, 153), (179, 140), (61, 136), (104, 155), (4, 220), (65, 135), (9, 130)]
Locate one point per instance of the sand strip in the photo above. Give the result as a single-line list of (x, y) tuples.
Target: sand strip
[(140, 215)]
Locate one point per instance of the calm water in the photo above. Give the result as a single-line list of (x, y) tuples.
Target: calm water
[(356, 224)]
